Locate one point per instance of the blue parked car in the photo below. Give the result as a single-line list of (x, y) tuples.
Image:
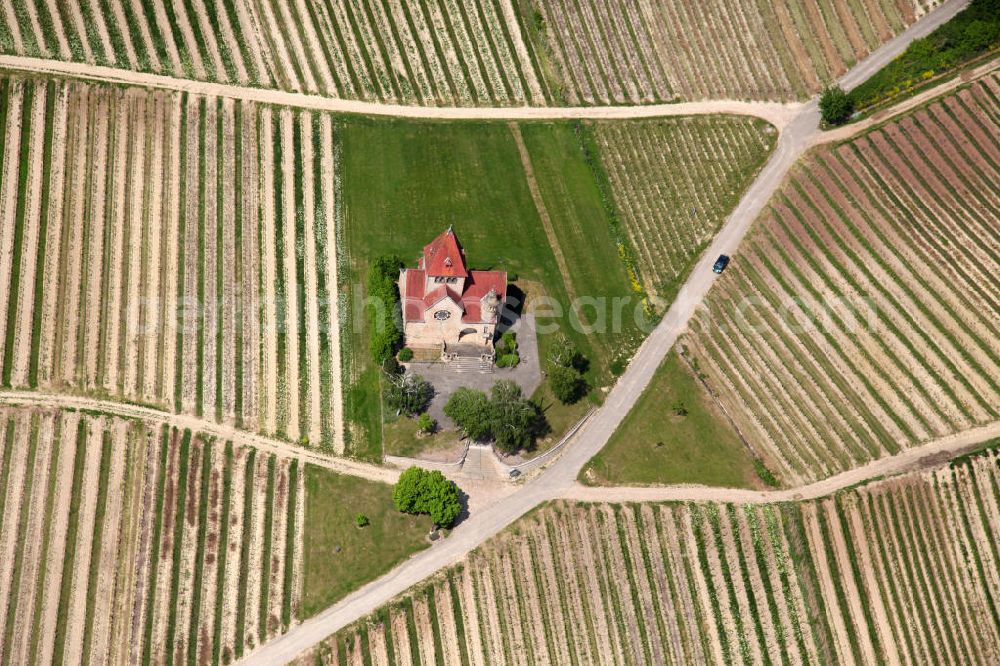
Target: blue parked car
[(720, 263)]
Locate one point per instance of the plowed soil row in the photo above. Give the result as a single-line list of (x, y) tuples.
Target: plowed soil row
[(118, 207), (888, 572), (111, 542), (862, 303)]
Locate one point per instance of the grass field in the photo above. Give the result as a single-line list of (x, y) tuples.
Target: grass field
[(655, 445), (904, 568), (339, 557), (405, 182)]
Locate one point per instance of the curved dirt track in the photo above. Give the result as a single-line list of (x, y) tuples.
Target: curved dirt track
[(220, 430), (919, 458), (777, 114)]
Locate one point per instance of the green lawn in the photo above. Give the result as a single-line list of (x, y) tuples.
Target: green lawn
[(585, 237), (401, 439), (404, 182), (332, 501), (655, 446)]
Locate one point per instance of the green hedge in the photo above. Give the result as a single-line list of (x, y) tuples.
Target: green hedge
[(383, 307), (972, 32)]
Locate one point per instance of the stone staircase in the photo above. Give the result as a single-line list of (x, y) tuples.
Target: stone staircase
[(471, 364)]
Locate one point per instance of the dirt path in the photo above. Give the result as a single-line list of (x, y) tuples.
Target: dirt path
[(219, 430), (923, 457), (776, 113)]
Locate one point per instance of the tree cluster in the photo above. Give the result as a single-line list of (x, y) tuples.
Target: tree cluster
[(384, 319), (423, 491), (565, 371), (506, 417)]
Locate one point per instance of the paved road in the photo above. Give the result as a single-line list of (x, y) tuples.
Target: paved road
[(558, 480)]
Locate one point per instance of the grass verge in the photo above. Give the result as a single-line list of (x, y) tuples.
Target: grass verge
[(339, 557), (654, 445)]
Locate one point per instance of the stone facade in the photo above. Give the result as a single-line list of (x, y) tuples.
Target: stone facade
[(445, 305)]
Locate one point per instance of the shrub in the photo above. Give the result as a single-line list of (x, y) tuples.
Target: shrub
[(679, 408), (470, 410), (835, 106), (422, 491), (508, 360), (426, 424), (391, 367), (361, 520), (405, 354), (567, 384), (408, 393)]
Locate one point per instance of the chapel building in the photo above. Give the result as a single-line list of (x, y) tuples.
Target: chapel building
[(446, 306)]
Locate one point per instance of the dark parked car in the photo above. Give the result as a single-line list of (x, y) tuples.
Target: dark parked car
[(720, 263)]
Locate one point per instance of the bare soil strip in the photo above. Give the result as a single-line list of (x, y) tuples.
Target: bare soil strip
[(75, 618)]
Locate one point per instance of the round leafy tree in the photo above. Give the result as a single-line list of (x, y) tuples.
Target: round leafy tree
[(422, 491), (470, 410), (835, 106), (568, 385)]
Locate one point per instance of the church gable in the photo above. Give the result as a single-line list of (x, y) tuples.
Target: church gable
[(442, 297)]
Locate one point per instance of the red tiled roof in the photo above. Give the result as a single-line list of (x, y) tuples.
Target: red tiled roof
[(438, 293), (444, 256), (416, 301), (415, 280), (413, 294), (413, 310), (473, 313), (477, 285)]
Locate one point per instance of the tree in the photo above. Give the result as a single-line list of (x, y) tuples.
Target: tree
[(408, 393), (568, 385), (563, 353), (383, 307), (515, 421), (835, 105), (422, 491), (508, 418), (406, 492), (470, 410)]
